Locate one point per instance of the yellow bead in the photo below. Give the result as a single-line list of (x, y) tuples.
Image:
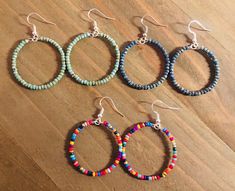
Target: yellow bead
[(164, 174), (71, 142)]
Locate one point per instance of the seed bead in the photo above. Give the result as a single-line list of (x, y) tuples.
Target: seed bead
[(72, 156), (215, 72), (152, 85), (172, 161), (47, 85), (103, 80)]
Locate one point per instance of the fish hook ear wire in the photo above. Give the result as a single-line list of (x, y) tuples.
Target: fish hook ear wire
[(35, 38), (98, 122), (34, 28), (158, 121), (173, 156), (213, 61), (100, 115)]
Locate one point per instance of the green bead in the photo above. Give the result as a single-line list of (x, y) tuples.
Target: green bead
[(88, 82), (46, 85)]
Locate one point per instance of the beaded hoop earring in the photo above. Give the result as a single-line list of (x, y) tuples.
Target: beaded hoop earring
[(97, 122), (36, 38), (165, 131), (94, 34), (154, 43), (204, 51)]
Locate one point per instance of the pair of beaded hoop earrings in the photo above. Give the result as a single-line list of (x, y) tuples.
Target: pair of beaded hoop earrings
[(123, 143), (170, 62), (65, 56), (120, 58)]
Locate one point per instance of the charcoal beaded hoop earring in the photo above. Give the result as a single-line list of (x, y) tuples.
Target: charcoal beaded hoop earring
[(35, 38), (165, 131), (213, 62), (97, 122), (158, 46), (95, 34)]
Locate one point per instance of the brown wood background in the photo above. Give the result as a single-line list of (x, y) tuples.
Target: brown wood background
[(34, 126)]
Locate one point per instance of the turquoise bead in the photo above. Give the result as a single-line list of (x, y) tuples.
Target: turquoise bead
[(91, 82), (34, 86)]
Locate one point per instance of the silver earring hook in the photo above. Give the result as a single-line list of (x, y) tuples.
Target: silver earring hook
[(100, 115), (143, 39), (95, 26), (158, 121), (34, 30), (146, 27), (194, 40)]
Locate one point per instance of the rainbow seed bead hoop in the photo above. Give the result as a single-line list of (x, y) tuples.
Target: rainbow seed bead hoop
[(152, 85), (48, 84), (172, 160), (73, 157), (94, 82)]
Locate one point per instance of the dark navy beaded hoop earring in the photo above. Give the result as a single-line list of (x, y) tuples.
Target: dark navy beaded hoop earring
[(97, 122), (203, 50), (95, 34), (154, 43), (157, 126), (35, 38)]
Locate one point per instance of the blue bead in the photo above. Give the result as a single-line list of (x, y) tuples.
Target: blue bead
[(73, 137)]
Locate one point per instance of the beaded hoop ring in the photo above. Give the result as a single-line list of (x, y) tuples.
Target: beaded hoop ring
[(92, 82), (151, 85), (214, 63), (73, 157), (172, 160), (48, 84)]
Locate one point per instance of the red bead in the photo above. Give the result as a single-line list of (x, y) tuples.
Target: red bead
[(90, 122), (171, 166), (76, 131), (141, 125), (76, 164)]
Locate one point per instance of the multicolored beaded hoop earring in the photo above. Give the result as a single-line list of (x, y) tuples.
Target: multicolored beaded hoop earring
[(165, 131), (35, 38), (95, 34), (154, 43), (97, 122), (214, 63)]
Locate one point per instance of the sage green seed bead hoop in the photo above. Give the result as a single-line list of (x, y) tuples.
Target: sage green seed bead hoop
[(48, 84), (92, 82)]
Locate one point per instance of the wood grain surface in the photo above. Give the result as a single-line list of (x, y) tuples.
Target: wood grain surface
[(35, 125)]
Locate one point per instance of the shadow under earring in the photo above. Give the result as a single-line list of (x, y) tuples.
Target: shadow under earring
[(214, 63), (157, 126), (97, 122), (94, 34), (36, 38), (153, 43)]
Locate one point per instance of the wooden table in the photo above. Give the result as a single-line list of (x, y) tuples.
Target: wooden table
[(36, 125)]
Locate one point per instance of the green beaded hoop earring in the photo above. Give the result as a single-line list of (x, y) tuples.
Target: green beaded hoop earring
[(35, 38), (95, 34)]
